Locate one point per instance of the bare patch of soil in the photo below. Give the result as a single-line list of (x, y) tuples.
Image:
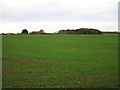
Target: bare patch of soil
[(23, 61), (9, 72), (14, 61)]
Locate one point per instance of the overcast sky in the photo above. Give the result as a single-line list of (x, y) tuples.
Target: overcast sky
[(54, 15)]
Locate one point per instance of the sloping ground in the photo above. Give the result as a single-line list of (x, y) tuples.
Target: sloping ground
[(75, 61)]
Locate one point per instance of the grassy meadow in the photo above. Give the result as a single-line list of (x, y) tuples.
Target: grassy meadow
[(60, 61)]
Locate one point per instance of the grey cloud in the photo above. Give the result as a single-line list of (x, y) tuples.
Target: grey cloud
[(55, 12), (64, 15)]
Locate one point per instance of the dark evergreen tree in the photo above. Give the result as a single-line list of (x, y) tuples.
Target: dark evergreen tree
[(24, 31)]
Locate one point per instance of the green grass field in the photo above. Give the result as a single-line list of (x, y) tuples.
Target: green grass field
[(60, 61)]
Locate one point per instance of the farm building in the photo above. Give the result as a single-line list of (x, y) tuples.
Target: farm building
[(38, 32), (80, 31)]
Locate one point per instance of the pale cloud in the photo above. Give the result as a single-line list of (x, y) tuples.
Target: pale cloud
[(84, 13), (56, 26)]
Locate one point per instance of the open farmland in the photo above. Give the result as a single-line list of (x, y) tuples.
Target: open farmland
[(60, 61)]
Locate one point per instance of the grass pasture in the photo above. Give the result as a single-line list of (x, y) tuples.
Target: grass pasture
[(60, 61)]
